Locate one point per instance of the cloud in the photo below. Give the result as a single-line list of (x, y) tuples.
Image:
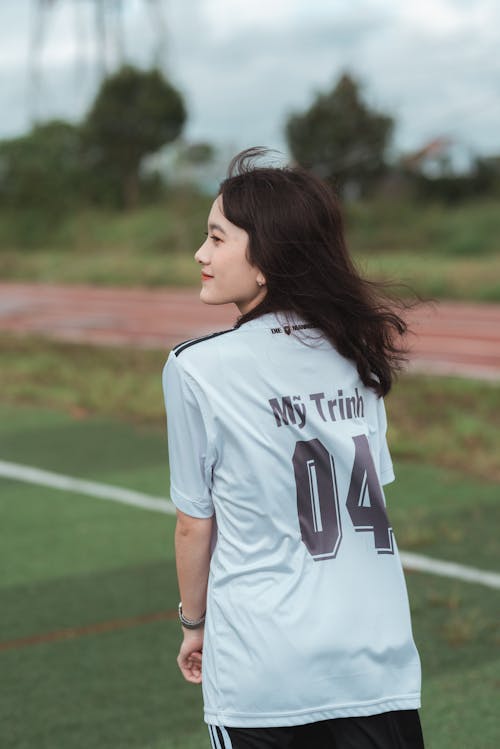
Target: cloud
[(438, 86), (243, 67), (244, 84)]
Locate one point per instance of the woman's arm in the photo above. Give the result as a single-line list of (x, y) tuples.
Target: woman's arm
[(192, 553)]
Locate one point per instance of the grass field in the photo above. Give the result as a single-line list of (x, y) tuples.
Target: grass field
[(71, 561)]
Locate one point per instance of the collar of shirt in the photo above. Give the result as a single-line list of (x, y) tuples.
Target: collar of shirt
[(275, 320)]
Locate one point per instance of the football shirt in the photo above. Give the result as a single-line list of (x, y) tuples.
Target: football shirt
[(307, 610)]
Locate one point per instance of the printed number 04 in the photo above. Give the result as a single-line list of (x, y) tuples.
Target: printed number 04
[(318, 499)]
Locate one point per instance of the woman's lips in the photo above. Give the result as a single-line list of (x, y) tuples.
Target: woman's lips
[(205, 276)]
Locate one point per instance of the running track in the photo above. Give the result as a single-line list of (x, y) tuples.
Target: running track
[(450, 337)]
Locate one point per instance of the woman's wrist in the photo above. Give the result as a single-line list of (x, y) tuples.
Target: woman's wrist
[(191, 623)]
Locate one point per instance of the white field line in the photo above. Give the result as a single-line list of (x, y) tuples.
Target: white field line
[(421, 563), (91, 488), (38, 476)]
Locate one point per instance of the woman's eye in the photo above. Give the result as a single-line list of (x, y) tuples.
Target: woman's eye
[(213, 237)]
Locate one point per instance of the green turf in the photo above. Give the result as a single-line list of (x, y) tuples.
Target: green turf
[(107, 691), (455, 626), (68, 560), (96, 448), (460, 710), (53, 533), (443, 514)]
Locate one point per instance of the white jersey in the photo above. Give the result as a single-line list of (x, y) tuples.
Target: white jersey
[(307, 609)]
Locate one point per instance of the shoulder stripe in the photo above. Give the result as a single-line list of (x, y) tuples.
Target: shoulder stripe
[(193, 341)]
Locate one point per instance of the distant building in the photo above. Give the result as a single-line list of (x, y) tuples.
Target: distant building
[(441, 157)]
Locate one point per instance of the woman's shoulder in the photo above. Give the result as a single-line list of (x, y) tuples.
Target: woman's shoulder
[(180, 348), (203, 358)]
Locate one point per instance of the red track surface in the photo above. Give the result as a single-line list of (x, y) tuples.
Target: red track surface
[(451, 337)]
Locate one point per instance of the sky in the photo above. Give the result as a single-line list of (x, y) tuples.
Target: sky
[(244, 66)]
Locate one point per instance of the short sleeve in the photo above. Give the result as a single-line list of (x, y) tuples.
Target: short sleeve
[(385, 461), (189, 442)]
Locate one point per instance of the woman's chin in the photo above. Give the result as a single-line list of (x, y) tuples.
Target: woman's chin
[(208, 298)]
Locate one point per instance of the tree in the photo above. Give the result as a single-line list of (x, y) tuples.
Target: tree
[(42, 170), (134, 114), (340, 138)]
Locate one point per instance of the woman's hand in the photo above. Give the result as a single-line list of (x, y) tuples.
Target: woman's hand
[(190, 655)]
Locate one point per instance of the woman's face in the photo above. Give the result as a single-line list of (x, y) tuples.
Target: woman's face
[(227, 276)]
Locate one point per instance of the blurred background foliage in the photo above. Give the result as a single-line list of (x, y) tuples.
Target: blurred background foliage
[(89, 201)]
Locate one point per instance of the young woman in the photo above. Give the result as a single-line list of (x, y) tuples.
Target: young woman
[(294, 607)]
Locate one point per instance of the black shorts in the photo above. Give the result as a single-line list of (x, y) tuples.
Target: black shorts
[(399, 729)]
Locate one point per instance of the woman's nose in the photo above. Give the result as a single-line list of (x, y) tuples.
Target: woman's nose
[(201, 255)]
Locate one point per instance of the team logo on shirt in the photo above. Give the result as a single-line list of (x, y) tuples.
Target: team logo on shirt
[(288, 328)]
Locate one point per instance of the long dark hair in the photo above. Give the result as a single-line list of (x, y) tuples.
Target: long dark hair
[(296, 238)]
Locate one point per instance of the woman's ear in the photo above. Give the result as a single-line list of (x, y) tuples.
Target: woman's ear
[(261, 281)]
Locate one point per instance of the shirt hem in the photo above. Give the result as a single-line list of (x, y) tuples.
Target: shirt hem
[(301, 717), (387, 477)]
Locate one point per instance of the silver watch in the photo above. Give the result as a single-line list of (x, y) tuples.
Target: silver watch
[(190, 623)]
